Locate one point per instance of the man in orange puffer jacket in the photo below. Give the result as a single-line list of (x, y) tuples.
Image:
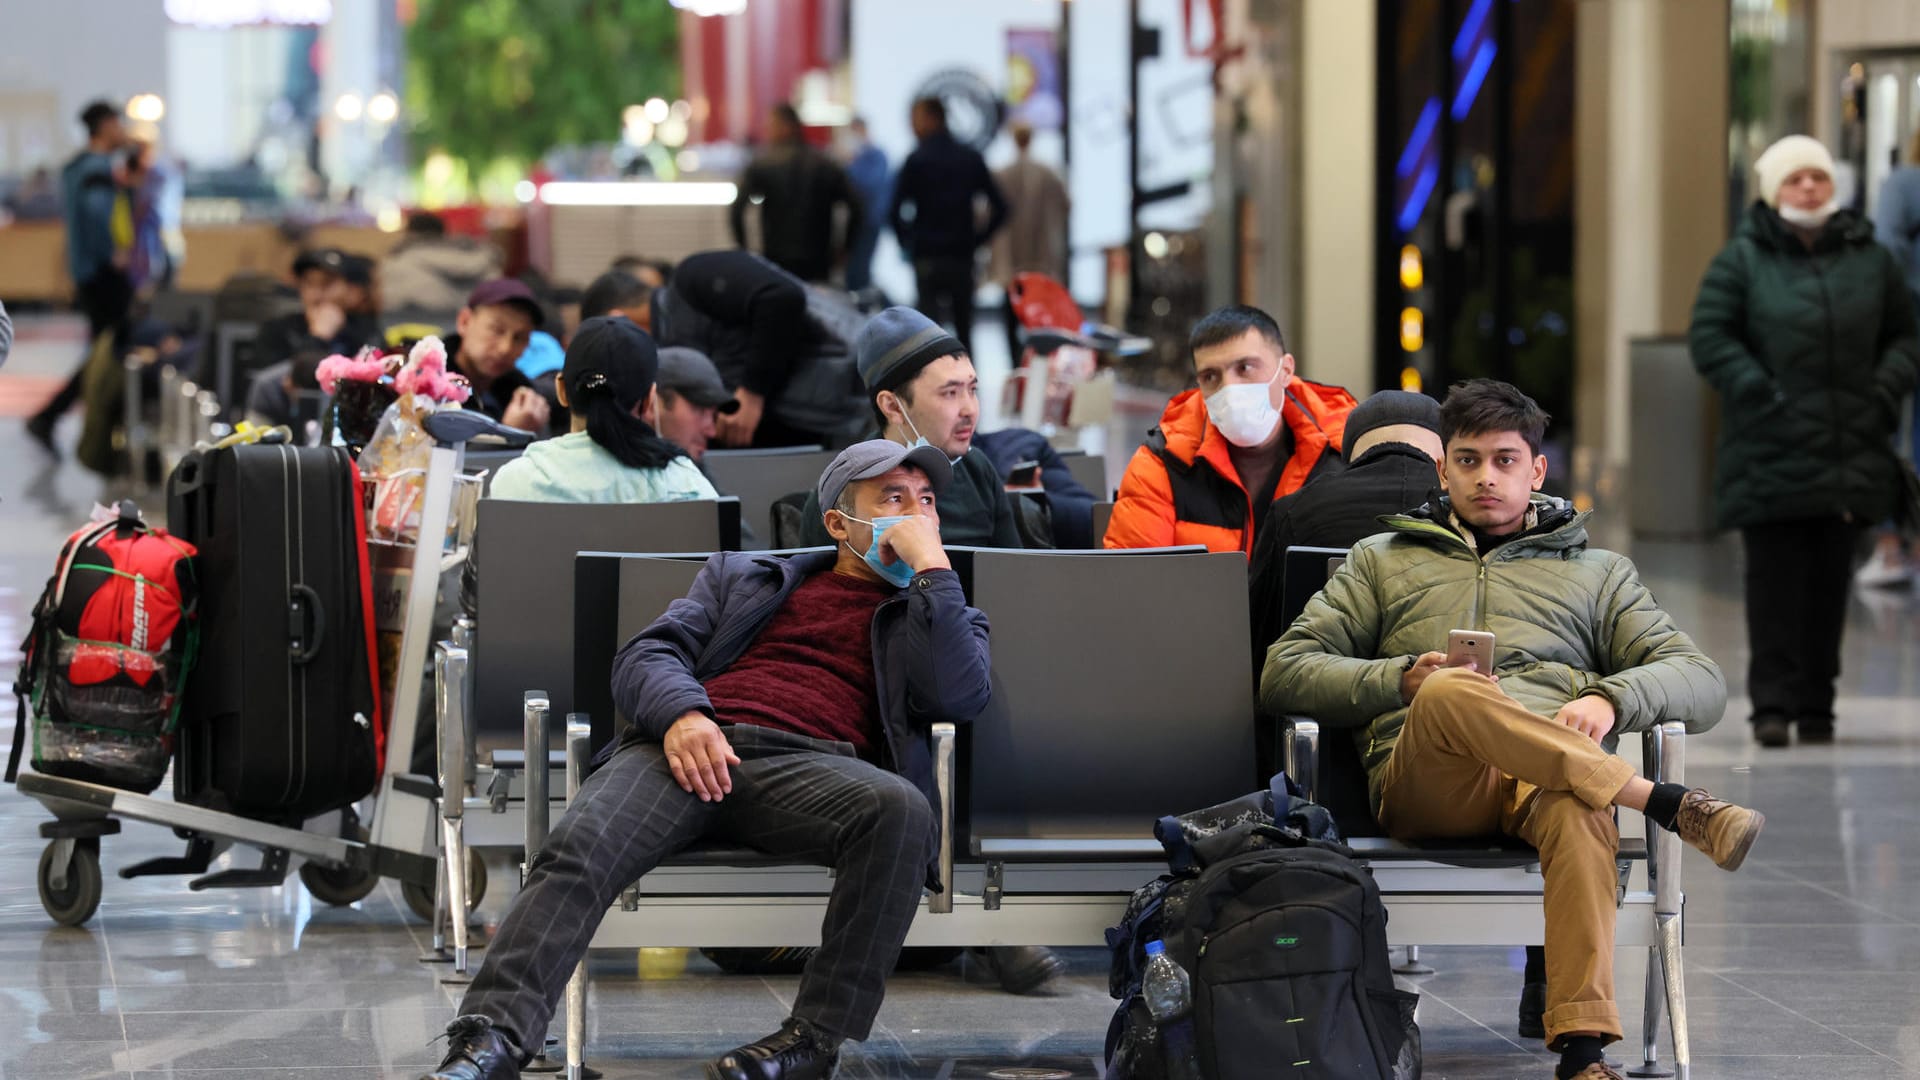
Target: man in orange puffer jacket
[(1250, 433)]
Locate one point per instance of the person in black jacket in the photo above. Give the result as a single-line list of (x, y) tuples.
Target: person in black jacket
[(323, 326), (750, 318), (785, 704), (1393, 441), (941, 181), (797, 188)]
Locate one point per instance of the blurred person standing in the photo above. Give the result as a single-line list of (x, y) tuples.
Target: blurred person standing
[(89, 186), (872, 180), (797, 188), (1805, 328), (431, 273), (1035, 239), (1896, 224), (935, 218)]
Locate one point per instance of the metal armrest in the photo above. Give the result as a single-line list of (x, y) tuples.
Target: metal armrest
[(1300, 753), (450, 708), (943, 735), (1665, 751)]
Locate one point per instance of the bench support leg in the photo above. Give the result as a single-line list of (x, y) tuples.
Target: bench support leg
[(1650, 1023), (455, 876), (577, 1023), (1675, 979), (1412, 966)]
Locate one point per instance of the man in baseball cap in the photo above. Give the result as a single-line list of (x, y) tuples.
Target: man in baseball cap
[(791, 747), (692, 399), (493, 329), (323, 326)]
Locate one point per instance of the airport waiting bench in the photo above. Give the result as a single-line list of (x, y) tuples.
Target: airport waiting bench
[(1120, 696)]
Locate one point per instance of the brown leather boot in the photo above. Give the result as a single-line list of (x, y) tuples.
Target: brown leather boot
[(1719, 828)]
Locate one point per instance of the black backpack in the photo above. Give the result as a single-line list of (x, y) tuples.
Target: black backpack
[(1284, 940)]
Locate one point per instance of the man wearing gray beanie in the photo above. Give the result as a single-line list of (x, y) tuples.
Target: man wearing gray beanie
[(923, 388)]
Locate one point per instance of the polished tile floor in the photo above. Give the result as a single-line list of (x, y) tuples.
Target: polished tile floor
[(1805, 964)]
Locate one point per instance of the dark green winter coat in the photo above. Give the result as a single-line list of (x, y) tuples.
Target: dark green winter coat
[(1812, 352)]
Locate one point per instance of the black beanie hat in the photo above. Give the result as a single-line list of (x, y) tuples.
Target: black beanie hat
[(609, 354), (1389, 407)]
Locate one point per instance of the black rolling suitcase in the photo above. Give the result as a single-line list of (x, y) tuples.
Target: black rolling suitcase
[(281, 713)]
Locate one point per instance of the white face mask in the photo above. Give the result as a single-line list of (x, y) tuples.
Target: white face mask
[(921, 440), (1809, 219), (1244, 412)]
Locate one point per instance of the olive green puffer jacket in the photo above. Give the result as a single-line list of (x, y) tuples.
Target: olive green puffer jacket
[(1812, 353), (1567, 621)]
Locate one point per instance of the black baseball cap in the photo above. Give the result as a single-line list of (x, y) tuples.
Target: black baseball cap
[(329, 259), (357, 269), (610, 354), (507, 290)]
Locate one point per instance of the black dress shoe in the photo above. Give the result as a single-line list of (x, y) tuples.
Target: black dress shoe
[(1022, 969), (798, 1051), (1815, 731), (1773, 732), (1533, 1010), (475, 1051), (40, 428)]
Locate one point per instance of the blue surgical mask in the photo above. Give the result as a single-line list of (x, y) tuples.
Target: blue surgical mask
[(897, 573)]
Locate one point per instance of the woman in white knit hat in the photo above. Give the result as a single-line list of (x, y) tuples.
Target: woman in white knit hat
[(1805, 328)]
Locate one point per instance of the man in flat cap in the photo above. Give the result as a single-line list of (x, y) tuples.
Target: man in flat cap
[(783, 704)]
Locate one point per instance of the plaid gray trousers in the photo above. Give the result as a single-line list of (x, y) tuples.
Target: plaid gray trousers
[(805, 799)]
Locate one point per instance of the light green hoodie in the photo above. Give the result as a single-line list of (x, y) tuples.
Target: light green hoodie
[(575, 469)]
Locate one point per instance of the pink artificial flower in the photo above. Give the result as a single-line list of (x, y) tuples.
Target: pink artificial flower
[(367, 367), (426, 374)]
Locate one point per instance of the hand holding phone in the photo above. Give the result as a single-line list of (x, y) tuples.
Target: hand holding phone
[(1471, 649)]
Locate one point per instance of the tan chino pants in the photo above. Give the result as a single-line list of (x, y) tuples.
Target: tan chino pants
[(1472, 762)]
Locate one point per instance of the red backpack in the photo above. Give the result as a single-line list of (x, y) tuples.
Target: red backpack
[(112, 639)]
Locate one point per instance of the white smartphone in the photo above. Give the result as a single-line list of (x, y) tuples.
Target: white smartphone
[(1470, 647)]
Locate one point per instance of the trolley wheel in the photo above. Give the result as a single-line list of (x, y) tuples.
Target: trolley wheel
[(419, 898), (74, 904), (346, 885)]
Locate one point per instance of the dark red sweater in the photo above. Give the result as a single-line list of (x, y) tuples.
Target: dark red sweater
[(811, 669)]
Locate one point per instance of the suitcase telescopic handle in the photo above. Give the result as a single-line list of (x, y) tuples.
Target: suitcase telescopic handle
[(306, 624)]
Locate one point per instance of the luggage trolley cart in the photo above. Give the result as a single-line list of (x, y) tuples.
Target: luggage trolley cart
[(343, 861)]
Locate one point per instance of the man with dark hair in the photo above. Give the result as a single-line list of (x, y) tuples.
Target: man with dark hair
[(942, 183), (1249, 433), (89, 184), (783, 704), (1581, 654), (653, 273), (924, 391), (323, 326), (797, 189), (615, 292), (428, 273)]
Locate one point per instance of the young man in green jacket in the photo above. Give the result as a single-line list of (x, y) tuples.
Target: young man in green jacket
[(1582, 653)]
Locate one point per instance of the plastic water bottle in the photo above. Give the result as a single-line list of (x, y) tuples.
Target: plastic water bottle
[(1170, 1001)]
